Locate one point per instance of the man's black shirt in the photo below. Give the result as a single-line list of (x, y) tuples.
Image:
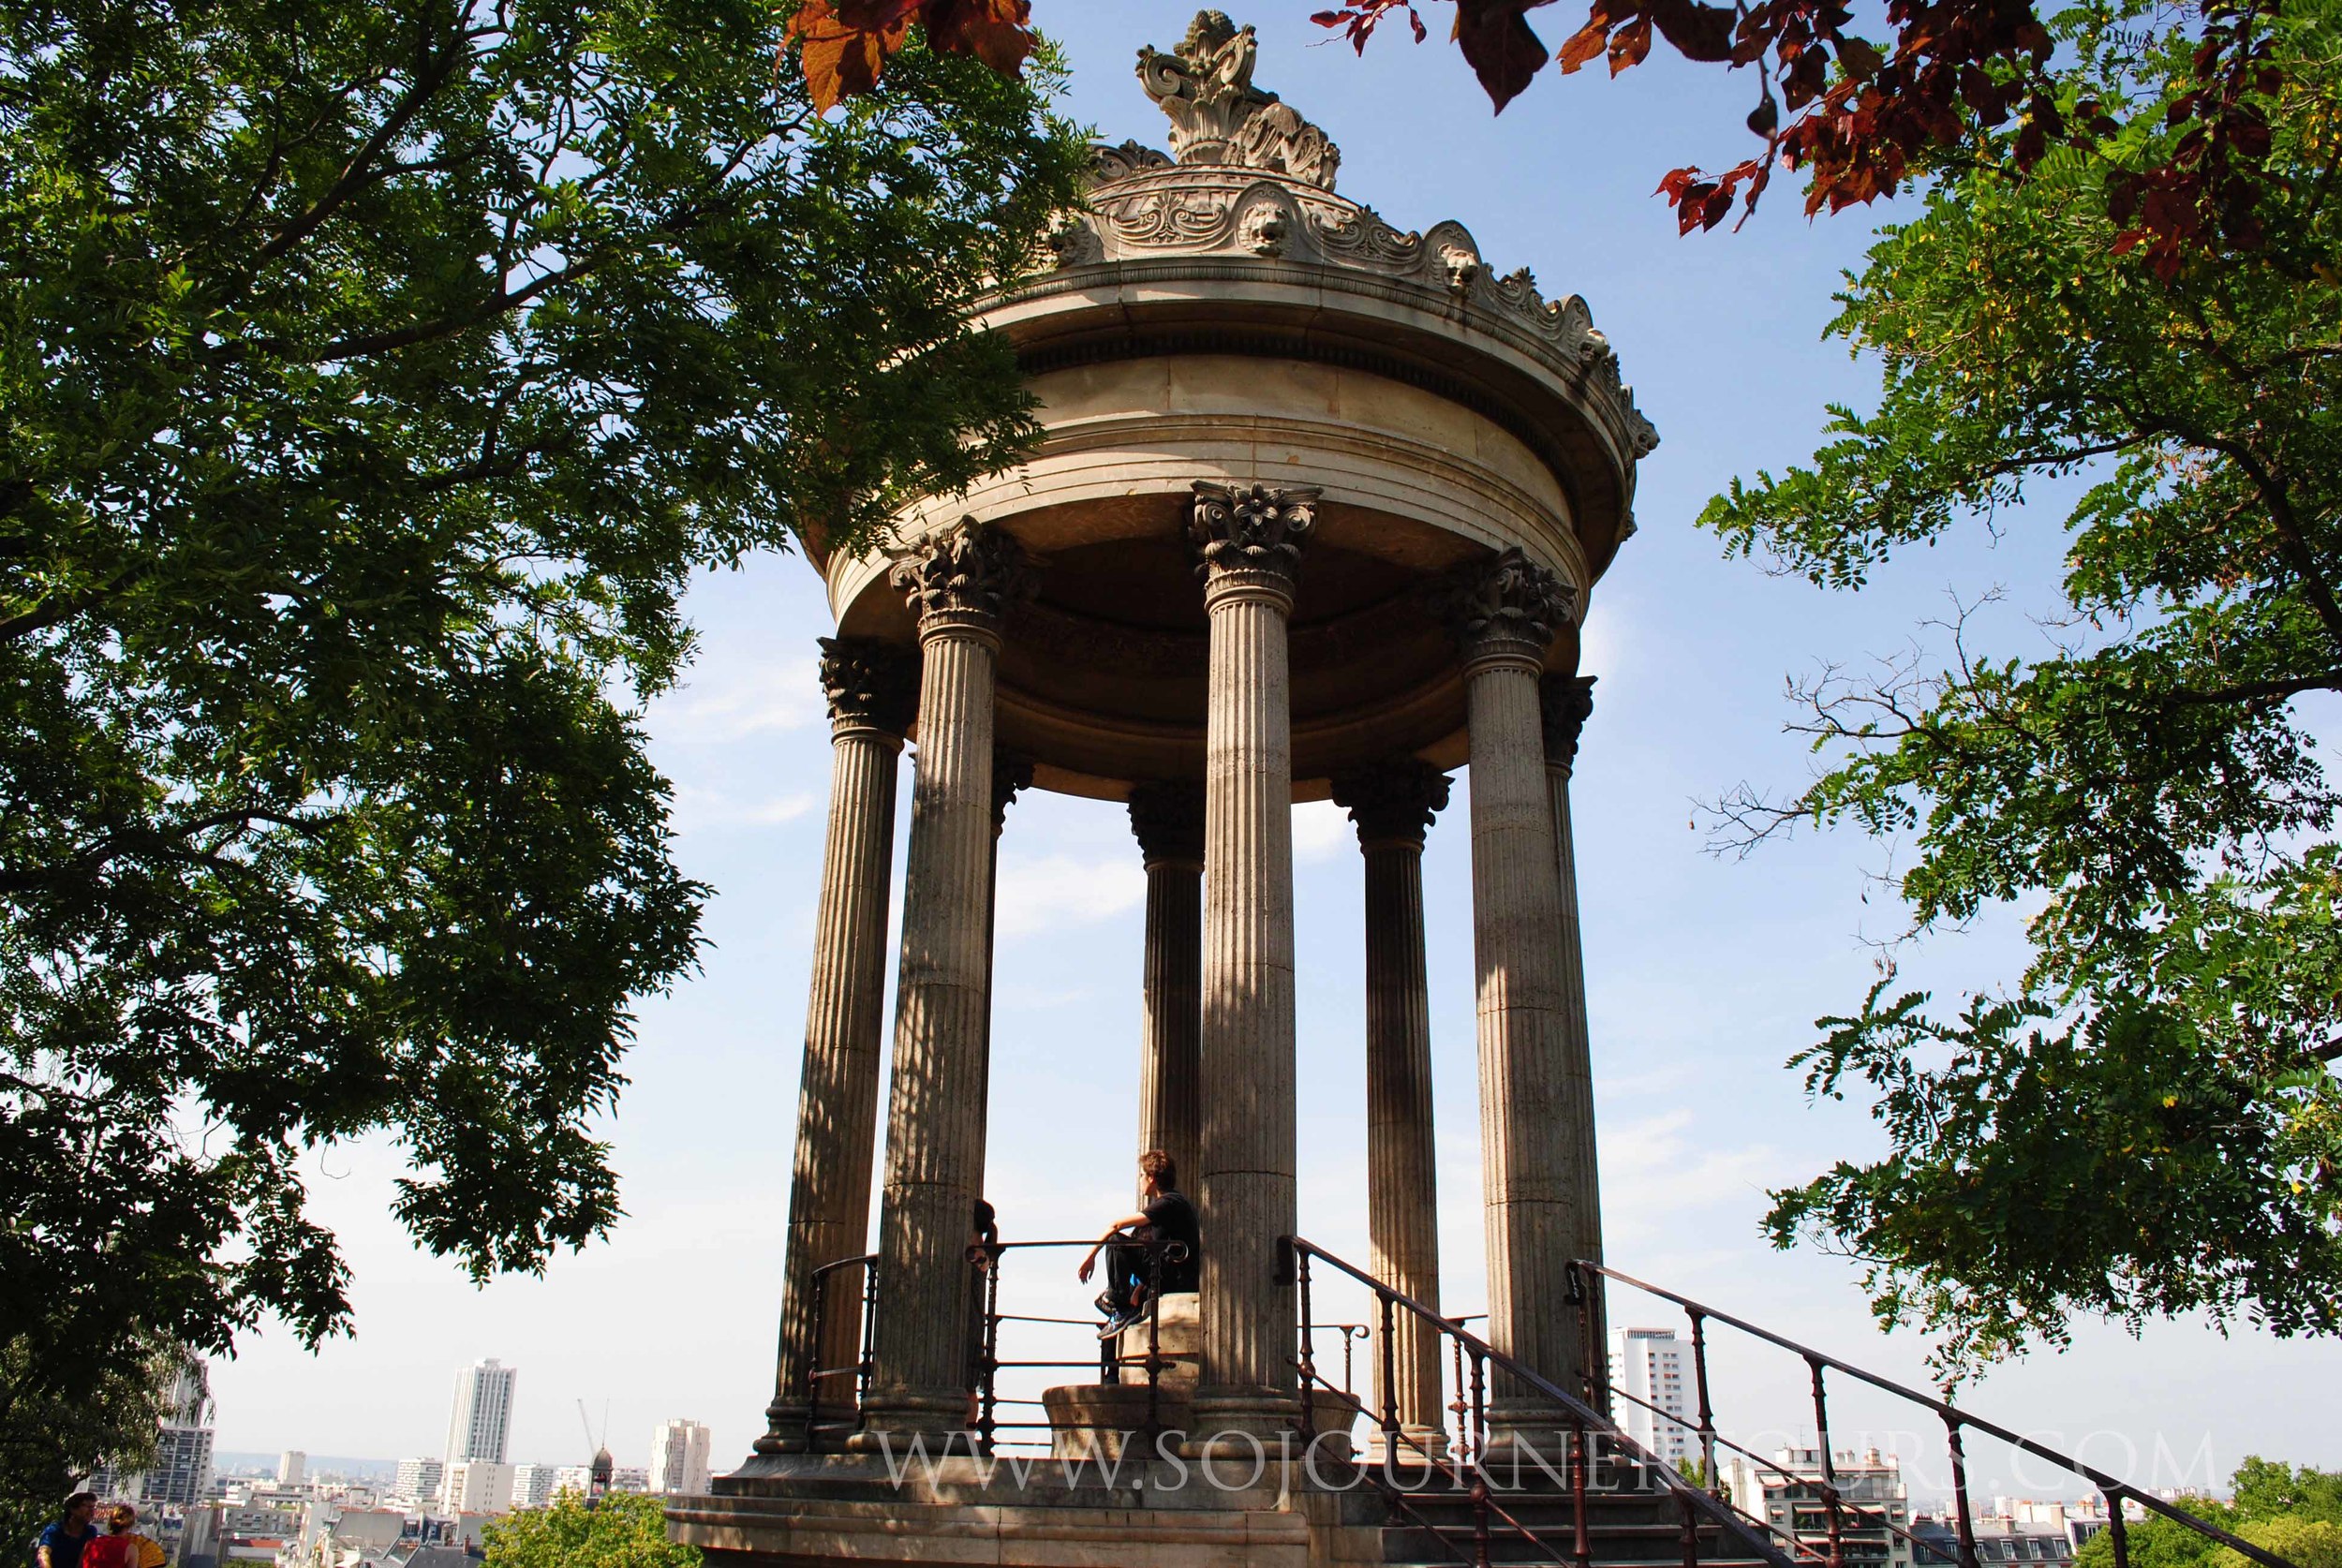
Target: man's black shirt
[(1171, 1217)]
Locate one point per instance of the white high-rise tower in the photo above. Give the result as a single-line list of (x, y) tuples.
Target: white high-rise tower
[(1647, 1365), (678, 1458), (481, 1424)]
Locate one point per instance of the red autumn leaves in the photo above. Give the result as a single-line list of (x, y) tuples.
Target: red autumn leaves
[(1860, 117), (845, 44)]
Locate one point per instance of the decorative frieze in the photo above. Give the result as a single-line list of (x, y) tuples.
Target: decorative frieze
[(869, 684), (1392, 801), (967, 574)]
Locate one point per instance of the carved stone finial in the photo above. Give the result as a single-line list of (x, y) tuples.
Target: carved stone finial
[(1568, 702), (870, 683), (1392, 801), (967, 575), (1012, 776), (1218, 116), (1258, 531), (1507, 606), (1168, 816)]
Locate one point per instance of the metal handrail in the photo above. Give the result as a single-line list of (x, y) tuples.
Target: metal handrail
[(984, 1256), (1584, 1418), (2114, 1488)]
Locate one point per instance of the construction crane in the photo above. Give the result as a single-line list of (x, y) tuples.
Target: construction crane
[(598, 1473)]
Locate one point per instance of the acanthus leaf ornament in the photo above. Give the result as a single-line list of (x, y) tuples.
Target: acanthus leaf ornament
[(1253, 529), (1506, 604), (870, 683), (967, 574), (1217, 115)]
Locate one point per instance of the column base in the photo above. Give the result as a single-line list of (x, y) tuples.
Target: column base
[(1415, 1445), (1239, 1423), (1529, 1442), (938, 1420)]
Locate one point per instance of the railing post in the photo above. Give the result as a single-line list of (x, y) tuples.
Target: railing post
[(865, 1363), (1389, 1368), (1829, 1467), (1478, 1411), (1691, 1530), (1960, 1492), (1582, 1545), (813, 1359), (1154, 1338), (988, 1411), (1308, 1360), (1479, 1521), (1709, 1476), (1461, 1408), (2115, 1527)]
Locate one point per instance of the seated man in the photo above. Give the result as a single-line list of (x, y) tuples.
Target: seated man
[(1166, 1217)]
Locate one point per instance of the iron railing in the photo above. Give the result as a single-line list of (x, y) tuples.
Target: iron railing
[(847, 1413), (1837, 1506), (988, 1257), (1466, 1461)]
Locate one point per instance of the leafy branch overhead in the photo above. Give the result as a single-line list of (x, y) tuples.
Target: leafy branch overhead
[(843, 45), (374, 378), (2148, 1121), (1862, 118)]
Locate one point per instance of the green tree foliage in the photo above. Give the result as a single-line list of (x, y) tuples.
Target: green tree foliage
[(2147, 1122), (2280, 1509), (623, 1531), (372, 379), (2268, 1489)]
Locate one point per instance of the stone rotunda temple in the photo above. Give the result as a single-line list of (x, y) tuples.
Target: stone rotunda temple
[(1317, 513)]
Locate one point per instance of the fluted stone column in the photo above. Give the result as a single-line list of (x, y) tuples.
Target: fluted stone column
[(1567, 704), (1393, 805), (1505, 613), (1249, 542), (872, 688), (960, 582), (1168, 816)]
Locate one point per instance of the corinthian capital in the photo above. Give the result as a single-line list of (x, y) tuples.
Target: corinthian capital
[(1508, 607), (968, 575), (1168, 816), (1392, 801), (1568, 702), (1254, 535), (869, 684), (1012, 776)]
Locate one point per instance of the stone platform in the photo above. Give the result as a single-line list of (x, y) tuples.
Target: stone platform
[(1033, 1513)]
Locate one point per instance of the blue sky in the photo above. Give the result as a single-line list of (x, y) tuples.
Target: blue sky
[(1703, 974)]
